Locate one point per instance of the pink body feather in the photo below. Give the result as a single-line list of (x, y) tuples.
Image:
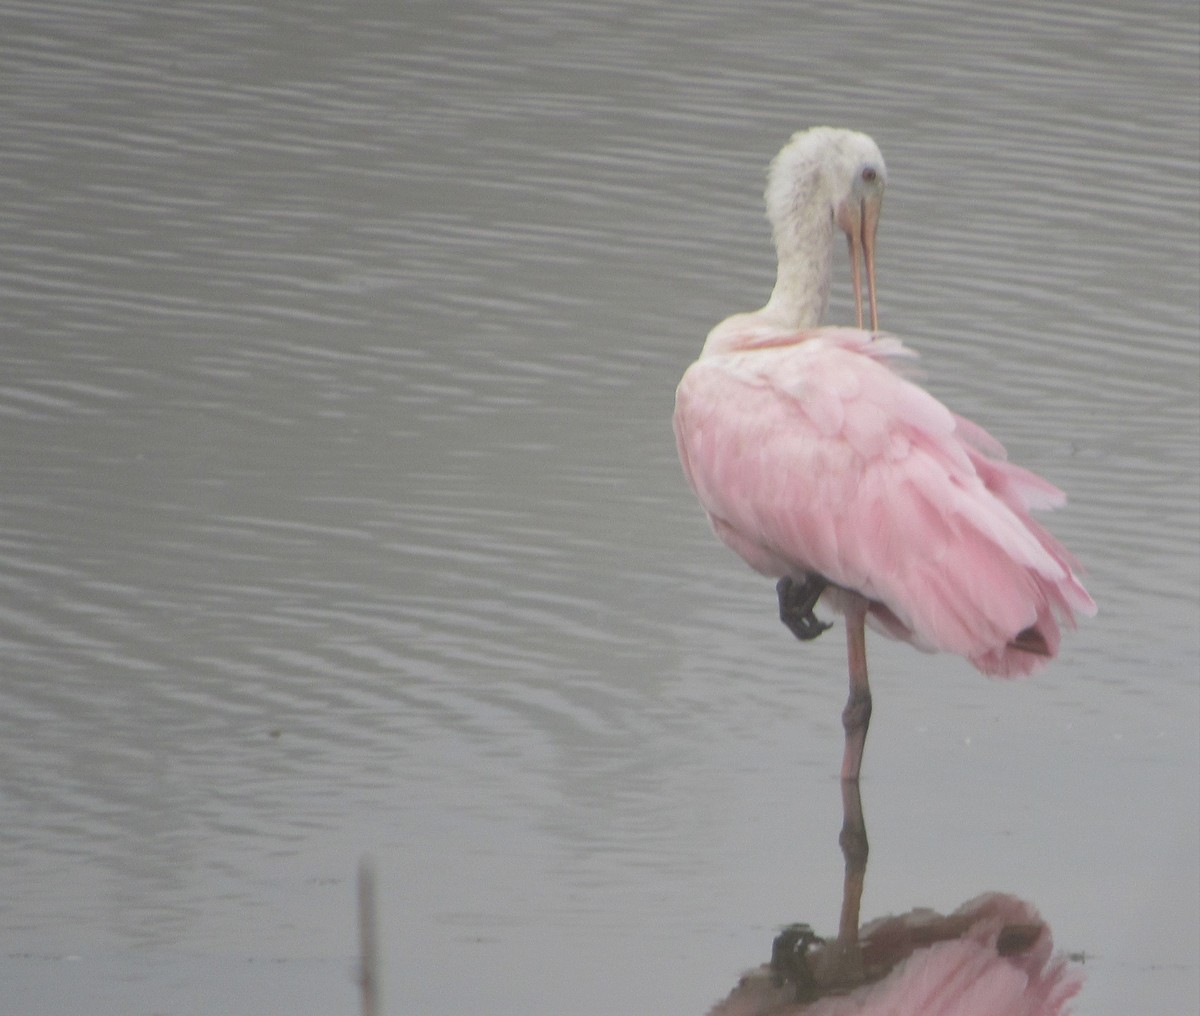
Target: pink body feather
[(811, 453)]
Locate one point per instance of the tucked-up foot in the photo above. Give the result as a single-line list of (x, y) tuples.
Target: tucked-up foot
[(796, 602), (789, 960)]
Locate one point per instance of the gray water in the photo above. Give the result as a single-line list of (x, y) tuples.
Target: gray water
[(340, 513)]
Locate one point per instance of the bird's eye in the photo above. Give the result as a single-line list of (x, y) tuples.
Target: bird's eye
[(869, 174)]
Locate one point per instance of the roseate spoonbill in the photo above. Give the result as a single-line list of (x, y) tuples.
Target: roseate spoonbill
[(822, 466), (994, 956)]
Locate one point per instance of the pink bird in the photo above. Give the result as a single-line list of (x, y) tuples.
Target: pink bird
[(994, 956), (822, 466)]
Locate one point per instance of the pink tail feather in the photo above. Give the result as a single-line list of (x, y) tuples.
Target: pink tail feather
[(1061, 598)]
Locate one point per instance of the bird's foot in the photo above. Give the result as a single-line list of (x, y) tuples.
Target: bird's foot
[(796, 602), (790, 962)]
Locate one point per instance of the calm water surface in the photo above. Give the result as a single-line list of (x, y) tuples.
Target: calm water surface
[(340, 512)]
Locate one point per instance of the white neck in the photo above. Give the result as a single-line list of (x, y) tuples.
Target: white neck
[(804, 238), (801, 294)]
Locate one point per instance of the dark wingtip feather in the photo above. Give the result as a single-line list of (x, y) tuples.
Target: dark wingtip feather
[(1030, 640)]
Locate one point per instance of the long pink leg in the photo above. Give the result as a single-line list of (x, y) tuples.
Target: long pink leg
[(853, 841), (840, 964), (857, 714)]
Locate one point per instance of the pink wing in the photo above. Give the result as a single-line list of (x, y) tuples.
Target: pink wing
[(818, 456)]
